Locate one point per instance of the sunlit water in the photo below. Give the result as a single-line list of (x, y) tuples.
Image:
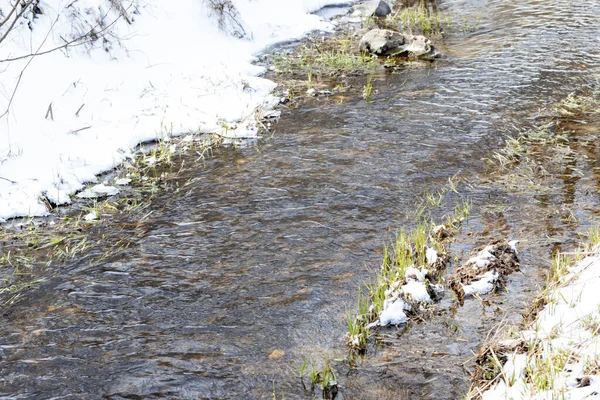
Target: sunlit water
[(267, 248)]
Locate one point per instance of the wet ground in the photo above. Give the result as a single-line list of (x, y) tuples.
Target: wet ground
[(265, 250)]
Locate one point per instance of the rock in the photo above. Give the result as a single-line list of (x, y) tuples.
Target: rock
[(377, 8), (381, 42), (276, 354), (385, 42), (383, 9)]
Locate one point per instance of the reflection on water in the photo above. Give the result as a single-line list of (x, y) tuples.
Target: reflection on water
[(266, 249)]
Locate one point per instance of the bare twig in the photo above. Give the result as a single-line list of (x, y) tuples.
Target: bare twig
[(38, 52), (12, 97), (80, 129), (79, 109), (14, 8), (23, 9), (67, 44), (49, 112)]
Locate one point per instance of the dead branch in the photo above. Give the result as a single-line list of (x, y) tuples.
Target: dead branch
[(71, 43), (19, 15), (38, 52), (49, 112), (79, 109), (14, 8)]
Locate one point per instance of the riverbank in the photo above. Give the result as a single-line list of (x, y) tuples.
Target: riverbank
[(84, 83), (556, 354)]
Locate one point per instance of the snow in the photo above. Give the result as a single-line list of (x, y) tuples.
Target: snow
[(124, 181), (412, 289), (91, 216), (393, 313), (416, 291), (100, 190), (431, 256), (483, 258), (483, 285), (567, 324), (78, 112)]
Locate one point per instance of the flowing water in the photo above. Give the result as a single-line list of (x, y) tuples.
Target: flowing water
[(230, 283)]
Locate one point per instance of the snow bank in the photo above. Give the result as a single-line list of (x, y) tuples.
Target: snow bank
[(76, 112), (565, 332)]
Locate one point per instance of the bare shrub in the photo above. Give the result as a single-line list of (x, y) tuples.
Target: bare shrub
[(227, 16)]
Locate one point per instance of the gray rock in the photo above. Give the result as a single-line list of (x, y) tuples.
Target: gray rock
[(383, 9), (378, 8), (385, 42)]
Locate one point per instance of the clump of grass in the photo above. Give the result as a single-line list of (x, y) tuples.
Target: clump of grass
[(367, 89), (594, 236), (325, 58), (323, 378), (419, 20), (310, 60), (407, 250)]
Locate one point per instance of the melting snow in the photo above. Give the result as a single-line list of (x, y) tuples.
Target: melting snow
[(393, 313), (483, 285), (77, 112)]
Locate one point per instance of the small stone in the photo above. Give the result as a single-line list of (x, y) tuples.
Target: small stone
[(377, 8), (381, 42), (585, 381), (276, 354), (383, 9), (311, 92)]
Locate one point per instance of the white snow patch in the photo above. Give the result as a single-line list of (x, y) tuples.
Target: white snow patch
[(417, 291), (513, 245), (100, 190), (414, 274), (91, 216), (393, 313), (431, 256), (483, 285), (482, 259), (77, 112), (122, 181), (568, 323)]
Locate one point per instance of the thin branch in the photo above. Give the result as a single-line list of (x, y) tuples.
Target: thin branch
[(32, 56), (15, 20), (69, 43), (79, 109), (10, 14), (24, 68), (49, 112)]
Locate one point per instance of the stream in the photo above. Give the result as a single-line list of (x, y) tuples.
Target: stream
[(251, 269)]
